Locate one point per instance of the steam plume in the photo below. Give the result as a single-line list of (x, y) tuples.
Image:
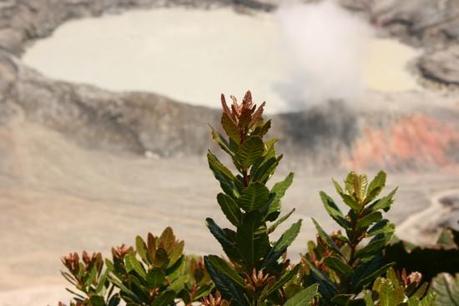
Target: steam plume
[(326, 47)]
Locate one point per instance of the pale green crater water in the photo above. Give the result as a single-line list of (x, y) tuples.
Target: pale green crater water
[(194, 55)]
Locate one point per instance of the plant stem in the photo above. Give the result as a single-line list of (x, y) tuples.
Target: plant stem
[(245, 178), (353, 243)]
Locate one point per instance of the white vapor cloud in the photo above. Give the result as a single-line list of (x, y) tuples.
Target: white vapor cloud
[(326, 47)]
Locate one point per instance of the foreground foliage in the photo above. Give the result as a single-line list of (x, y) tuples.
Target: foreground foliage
[(345, 264), (256, 273), (395, 289), (155, 273), (362, 263)]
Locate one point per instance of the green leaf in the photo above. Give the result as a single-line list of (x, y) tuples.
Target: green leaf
[(376, 186), (326, 238), (174, 270), (90, 278), (203, 291), (227, 281), (118, 283), (137, 287), (279, 190), (356, 185), (110, 266), (263, 129), (446, 288), (230, 128), (333, 210), (338, 188), (253, 197), (349, 201), (96, 300), (366, 221), (281, 220), (368, 278), (102, 281), (224, 145), (228, 245), (368, 299), (389, 295), (283, 243), (375, 246), (339, 266), (141, 248), (246, 240), (385, 202), (176, 253), (287, 276), (304, 297), (326, 287), (382, 227), (161, 258), (252, 149), (263, 171), (165, 298), (179, 284), (271, 148), (155, 278), (229, 208), (132, 264), (223, 175), (250, 241)]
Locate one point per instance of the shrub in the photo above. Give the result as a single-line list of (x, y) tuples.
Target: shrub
[(157, 272), (398, 289), (154, 273), (257, 272), (89, 279), (360, 264), (341, 263)]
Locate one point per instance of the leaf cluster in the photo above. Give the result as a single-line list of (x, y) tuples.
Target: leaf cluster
[(89, 279), (256, 272), (350, 260), (154, 273), (360, 264), (399, 290)]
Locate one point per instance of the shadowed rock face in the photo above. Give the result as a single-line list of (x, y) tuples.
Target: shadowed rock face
[(133, 122), (325, 136), (442, 65)]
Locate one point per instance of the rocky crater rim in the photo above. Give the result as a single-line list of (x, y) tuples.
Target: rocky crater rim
[(193, 55), (153, 125), (23, 22)]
